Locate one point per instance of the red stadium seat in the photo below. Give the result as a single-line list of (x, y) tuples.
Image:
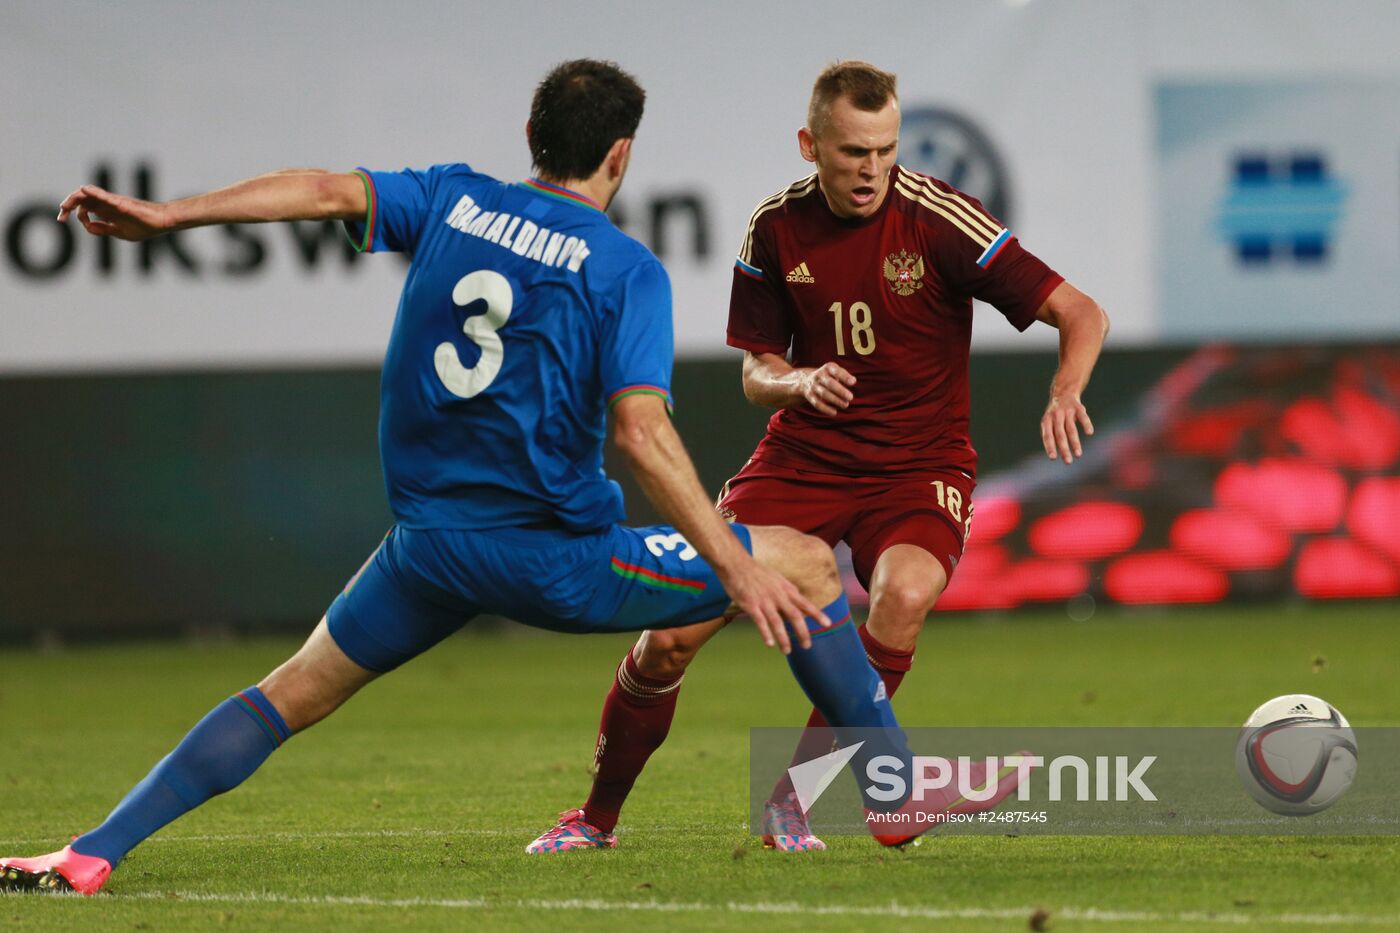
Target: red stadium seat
[(1231, 539), (1351, 429), (1161, 577), (981, 580), (1341, 568), (994, 517), (982, 558), (1295, 494), (1373, 517), (1087, 531), (1042, 580), (1217, 432)]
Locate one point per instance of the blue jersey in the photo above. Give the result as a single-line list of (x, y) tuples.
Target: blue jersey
[(524, 316)]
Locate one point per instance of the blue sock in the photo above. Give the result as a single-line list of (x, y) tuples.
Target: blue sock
[(217, 755), (838, 679)]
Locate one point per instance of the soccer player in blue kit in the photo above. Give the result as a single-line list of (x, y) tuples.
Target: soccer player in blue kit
[(527, 324)]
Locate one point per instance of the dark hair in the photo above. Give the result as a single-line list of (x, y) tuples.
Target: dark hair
[(580, 109), (866, 86)]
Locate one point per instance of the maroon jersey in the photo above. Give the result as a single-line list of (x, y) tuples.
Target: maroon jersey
[(888, 297)]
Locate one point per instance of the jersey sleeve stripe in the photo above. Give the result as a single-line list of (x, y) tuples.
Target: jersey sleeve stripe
[(621, 394), (972, 215), (753, 272), (795, 190), (993, 250), (981, 239), (371, 206)]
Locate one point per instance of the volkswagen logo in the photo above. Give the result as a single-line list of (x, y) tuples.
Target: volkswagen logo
[(950, 147)]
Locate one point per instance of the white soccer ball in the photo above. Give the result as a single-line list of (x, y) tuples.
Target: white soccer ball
[(1296, 755)]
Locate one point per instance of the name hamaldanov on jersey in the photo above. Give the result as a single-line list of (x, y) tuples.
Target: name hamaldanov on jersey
[(521, 237)]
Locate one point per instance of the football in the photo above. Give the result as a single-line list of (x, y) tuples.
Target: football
[(1296, 755)]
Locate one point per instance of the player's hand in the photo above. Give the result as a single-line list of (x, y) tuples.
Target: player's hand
[(103, 213), (774, 603), (827, 388), (1058, 429)]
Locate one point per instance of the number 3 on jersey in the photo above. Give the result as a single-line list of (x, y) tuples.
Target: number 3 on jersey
[(494, 289), (660, 544)]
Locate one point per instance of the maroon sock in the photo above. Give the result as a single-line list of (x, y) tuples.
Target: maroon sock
[(890, 663), (636, 717), (817, 739)]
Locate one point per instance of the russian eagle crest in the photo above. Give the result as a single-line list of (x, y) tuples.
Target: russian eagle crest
[(905, 272)]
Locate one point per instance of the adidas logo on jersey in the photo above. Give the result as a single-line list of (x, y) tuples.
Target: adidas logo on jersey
[(801, 275)]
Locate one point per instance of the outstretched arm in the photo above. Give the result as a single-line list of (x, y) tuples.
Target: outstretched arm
[(1083, 325), (642, 431), (771, 380), (290, 194)]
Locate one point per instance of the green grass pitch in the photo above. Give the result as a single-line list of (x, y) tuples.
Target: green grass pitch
[(411, 806)]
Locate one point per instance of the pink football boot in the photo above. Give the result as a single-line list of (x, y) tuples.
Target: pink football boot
[(58, 872), (785, 827), (572, 832)]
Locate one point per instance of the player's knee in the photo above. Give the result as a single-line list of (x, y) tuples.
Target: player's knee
[(906, 602), (805, 560), (663, 655), (813, 569)]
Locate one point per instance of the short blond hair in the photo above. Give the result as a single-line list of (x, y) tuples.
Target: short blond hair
[(866, 86)]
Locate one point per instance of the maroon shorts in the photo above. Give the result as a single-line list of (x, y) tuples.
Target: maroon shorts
[(870, 514)]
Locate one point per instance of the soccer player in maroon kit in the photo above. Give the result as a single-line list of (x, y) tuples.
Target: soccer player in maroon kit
[(866, 271)]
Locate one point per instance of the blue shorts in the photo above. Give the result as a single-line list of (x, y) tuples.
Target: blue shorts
[(421, 585)]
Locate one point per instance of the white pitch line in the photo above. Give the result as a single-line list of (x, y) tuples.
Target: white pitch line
[(894, 910), (312, 835)]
